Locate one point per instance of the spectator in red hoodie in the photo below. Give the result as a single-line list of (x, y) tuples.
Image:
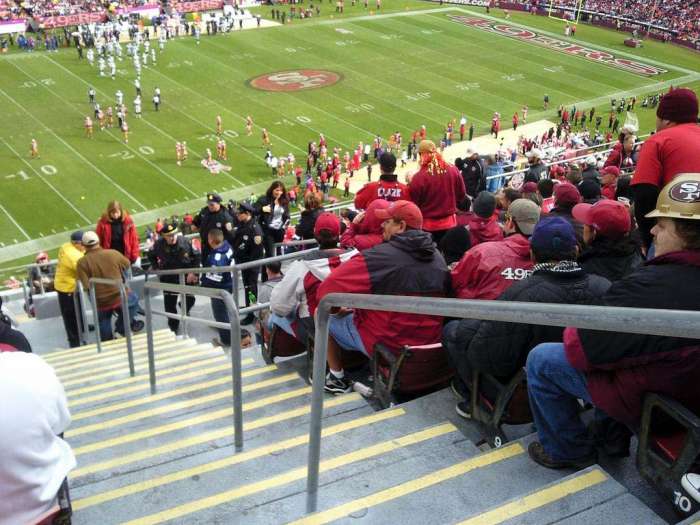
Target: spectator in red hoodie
[(488, 269), (436, 189), (483, 226), (608, 181), (366, 228), (387, 187), (407, 263), (116, 231)]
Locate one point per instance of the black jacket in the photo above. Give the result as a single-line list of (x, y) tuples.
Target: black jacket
[(500, 348), (11, 339), (164, 256), (247, 242), (305, 228), (612, 259), (474, 176), (266, 217)]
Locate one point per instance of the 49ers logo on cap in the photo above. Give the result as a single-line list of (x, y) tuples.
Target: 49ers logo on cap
[(295, 80), (687, 191)]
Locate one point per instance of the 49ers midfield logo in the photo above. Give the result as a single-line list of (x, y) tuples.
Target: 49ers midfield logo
[(526, 35), (295, 80)]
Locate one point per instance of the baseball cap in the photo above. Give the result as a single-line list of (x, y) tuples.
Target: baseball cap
[(610, 218), (402, 211), (525, 213), (90, 238), (244, 207), (471, 152), (484, 204), (77, 236), (387, 162), (566, 193), (529, 187), (327, 221), (555, 235), (610, 170), (169, 229), (534, 152), (591, 161), (42, 256), (213, 198)]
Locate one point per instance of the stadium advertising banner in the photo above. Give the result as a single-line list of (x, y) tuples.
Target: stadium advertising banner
[(12, 26), (198, 5), (555, 44), (49, 22)]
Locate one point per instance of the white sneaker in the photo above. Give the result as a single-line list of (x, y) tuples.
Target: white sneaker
[(691, 483)]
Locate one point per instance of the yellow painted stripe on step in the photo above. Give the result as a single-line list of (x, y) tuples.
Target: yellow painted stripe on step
[(107, 346), (229, 461), (138, 346), (412, 486), (142, 383), (181, 405), (538, 499), (69, 352), (80, 375), (212, 435), (290, 476), (191, 360)]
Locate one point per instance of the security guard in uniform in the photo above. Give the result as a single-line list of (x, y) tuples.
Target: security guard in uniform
[(248, 246), (173, 251), (213, 215)]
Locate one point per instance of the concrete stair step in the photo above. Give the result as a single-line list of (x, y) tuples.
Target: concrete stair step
[(107, 346)]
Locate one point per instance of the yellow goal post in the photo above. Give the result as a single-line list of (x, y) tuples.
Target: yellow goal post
[(563, 8)]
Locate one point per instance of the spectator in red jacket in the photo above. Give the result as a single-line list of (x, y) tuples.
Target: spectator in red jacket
[(608, 181), (387, 187), (116, 231), (488, 269), (366, 229), (669, 152), (614, 370), (407, 263), (483, 226), (436, 189)]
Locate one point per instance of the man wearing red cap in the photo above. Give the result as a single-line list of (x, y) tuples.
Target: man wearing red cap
[(671, 151), (566, 196), (406, 263), (608, 182), (610, 251), (293, 301), (437, 188)]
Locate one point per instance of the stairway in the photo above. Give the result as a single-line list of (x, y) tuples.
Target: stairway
[(169, 457)]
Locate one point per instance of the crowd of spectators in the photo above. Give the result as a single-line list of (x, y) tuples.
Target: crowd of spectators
[(10, 9)]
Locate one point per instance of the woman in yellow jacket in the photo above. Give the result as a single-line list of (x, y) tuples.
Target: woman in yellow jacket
[(64, 284)]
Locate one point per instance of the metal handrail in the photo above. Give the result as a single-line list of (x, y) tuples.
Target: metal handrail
[(126, 320), (234, 326), (302, 242), (673, 323), (78, 307)]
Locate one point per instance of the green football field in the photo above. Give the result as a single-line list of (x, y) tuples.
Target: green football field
[(394, 71)]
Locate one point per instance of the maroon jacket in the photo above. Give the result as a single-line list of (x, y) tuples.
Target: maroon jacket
[(620, 368), (437, 195), (408, 264), (484, 230)]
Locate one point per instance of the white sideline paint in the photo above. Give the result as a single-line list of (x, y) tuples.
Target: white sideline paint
[(38, 174), (77, 153), (14, 222)]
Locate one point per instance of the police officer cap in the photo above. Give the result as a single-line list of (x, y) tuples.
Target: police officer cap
[(213, 198), (244, 207), (169, 229)]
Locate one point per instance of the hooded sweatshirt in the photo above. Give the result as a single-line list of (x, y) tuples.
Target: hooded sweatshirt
[(484, 230), (408, 264), (367, 233)]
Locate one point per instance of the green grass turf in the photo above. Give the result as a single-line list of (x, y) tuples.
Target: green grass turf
[(398, 73)]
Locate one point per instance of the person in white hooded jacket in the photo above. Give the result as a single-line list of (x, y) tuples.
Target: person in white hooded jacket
[(293, 301)]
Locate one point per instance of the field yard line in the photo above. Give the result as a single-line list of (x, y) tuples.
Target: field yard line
[(161, 131), (204, 125), (38, 174), (299, 98), (15, 222), (560, 57), (76, 152), (648, 88), (117, 139), (578, 41)]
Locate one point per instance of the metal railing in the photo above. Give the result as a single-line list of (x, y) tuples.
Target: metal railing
[(303, 242), (78, 307), (126, 319), (233, 325), (672, 323)]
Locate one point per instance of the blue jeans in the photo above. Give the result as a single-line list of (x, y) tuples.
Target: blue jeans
[(105, 317), (554, 388), (218, 308), (344, 332), (285, 323)]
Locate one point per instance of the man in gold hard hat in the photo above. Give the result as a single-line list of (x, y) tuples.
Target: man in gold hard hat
[(612, 370)]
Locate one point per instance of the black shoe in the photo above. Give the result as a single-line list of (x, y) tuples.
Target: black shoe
[(538, 455), (464, 409), (248, 319), (337, 385), (459, 389), (612, 437), (137, 326)]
